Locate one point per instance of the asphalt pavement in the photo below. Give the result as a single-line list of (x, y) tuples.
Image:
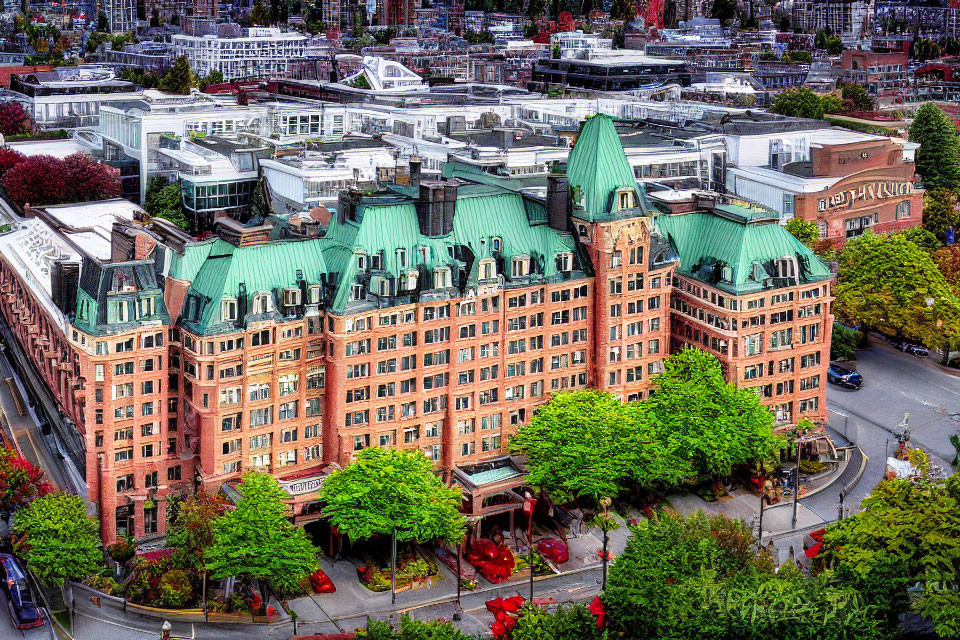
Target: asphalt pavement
[(9, 632)]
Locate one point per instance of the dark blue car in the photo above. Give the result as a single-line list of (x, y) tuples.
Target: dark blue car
[(24, 612), (844, 377)]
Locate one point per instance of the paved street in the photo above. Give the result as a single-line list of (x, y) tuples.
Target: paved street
[(894, 383), (9, 632)]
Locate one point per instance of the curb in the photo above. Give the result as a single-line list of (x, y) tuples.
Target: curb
[(864, 460)]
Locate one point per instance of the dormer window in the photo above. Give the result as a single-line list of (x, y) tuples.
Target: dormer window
[(442, 278), (382, 287), (488, 269), (291, 298), (496, 243), (356, 292), (313, 294), (361, 262), (520, 266), (262, 303), (376, 262), (402, 258), (583, 231), (148, 307), (786, 267), (625, 199), (228, 309), (410, 280), (565, 262)]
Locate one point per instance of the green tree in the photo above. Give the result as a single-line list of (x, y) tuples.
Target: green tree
[(938, 158), (843, 346), (806, 232), (834, 46), (578, 445), (885, 282), (922, 238), (623, 10), (256, 540), (798, 103), (820, 40), (574, 622), (797, 57), (259, 15), (714, 425), (190, 525), (179, 79), (103, 24), (857, 96), (832, 103), (57, 538), (410, 629), (723, 10), (387, 491), (940, 212), (697, 578), (907, 533), (163, 200)]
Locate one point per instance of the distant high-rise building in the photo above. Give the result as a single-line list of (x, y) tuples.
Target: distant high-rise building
[(121, 15)]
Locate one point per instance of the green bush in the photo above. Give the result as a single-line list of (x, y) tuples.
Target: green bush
[(844, 344), (176, 591)]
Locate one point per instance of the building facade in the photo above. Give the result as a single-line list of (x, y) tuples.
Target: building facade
[(883, 74), (436, 315), (262, 53)]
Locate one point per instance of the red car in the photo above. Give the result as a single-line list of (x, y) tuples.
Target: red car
[(24, 612)]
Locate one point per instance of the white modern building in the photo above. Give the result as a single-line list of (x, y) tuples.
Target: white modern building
[(577, 44), (121, 15), (261, 53), (68, 97)]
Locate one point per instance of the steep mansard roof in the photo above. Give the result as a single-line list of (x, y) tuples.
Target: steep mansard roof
[(216, 268), (737, 238), (598, 166)]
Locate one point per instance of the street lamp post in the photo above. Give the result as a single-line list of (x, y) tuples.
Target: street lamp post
[(796, 482), (393, 568), (605, 502), (760, 527)]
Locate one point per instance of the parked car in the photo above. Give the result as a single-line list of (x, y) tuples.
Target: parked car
[(915, 349), (844, 377), (24, 612)]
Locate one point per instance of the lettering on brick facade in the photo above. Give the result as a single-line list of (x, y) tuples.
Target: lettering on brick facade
[(880, 190)]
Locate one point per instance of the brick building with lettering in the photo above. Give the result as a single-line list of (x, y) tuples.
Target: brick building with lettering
[(436, 315)]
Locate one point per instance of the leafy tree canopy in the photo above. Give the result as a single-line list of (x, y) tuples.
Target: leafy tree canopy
[(723, 10), (716, 425), (806, 232), (798, 103), (697, 578), (938, 158), (940, 212), (843, 345), (884, 284), (857, 97), (410, 629), (163, 200), (947, 260), (179, 79), (57, 538), (190, 525), (577, 444), (256, 540), (586, 443), (389, 490), (908, 532), (14, 120)]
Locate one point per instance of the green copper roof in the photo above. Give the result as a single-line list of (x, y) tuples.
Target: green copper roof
[(598, 166), (707, 242), (263, 267), (382, 227)]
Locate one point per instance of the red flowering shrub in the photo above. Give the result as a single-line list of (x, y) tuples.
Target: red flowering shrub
[(38, 180), (9, 158), (43, 180), (88, 179), (20, 481), (14, 119), (321, 583)]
